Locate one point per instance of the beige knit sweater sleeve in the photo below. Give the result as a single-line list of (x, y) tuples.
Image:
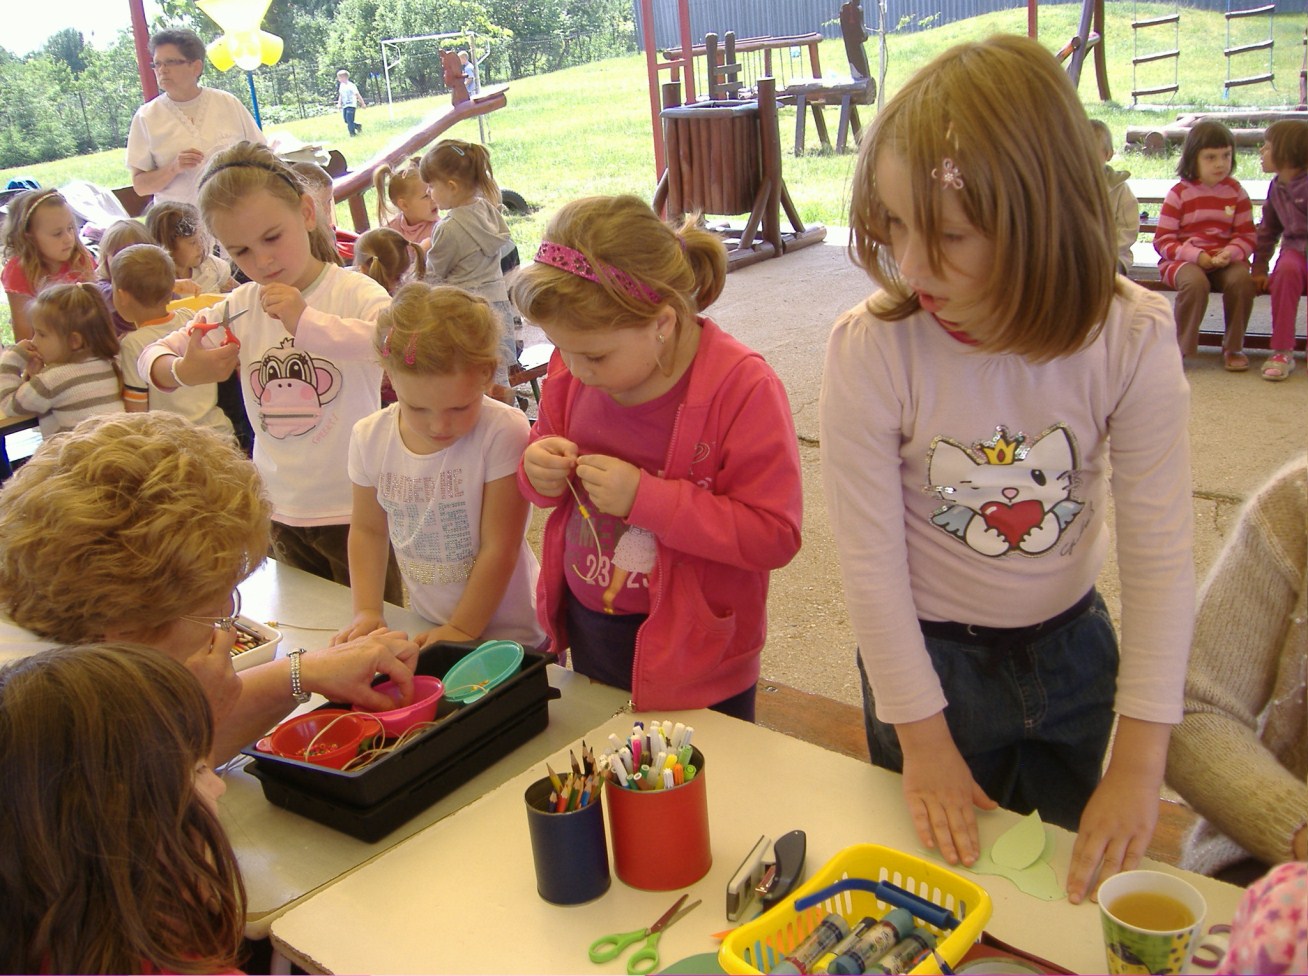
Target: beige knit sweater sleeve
[(1240, 756)]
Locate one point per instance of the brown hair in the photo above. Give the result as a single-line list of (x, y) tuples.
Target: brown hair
[(110, 860), (155, 517), (81, 309), (1204, 134), (437, 330), (1289, 139), (466, 163), (187, 42), (118, 235), (235, 173), (1104, 135), (146, 272), (396, 184), (386, 256), (19, 245), (1006, 115), (686, 266), (170, 220)]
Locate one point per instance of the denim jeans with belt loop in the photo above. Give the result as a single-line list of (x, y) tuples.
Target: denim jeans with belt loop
[(1029, 708)]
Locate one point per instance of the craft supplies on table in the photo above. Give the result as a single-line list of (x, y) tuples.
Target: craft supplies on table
[(646, 958), (465, 738), (951, 907), (256, 643)]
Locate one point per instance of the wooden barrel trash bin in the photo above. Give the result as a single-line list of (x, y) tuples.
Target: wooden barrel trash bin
[(714, 156)]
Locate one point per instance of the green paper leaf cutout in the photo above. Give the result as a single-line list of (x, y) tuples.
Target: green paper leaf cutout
[(1021, 845)]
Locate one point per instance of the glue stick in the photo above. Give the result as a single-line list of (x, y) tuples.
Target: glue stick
[(855, 933), (874, 944), (830, 930), (900, 959)]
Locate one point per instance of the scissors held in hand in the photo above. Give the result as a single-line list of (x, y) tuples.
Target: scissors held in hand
[(646, 958), (229, 337)]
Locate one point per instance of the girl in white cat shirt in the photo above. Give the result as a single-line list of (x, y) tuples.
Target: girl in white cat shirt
[(971, 411)]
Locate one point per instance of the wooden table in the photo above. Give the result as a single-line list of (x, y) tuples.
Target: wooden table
[(460, 896), (284, 856)]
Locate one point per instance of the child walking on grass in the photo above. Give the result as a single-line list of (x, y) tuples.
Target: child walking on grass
[(966, 413), (435, 476), (1204, 239), (656, 427)]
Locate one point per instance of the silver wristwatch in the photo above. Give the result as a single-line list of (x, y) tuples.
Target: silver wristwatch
[(297, 688)]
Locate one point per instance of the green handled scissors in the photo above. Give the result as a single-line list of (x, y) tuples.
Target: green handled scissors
[(646, 958)]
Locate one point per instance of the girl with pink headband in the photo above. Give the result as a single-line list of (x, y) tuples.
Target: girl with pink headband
[(667, 455)]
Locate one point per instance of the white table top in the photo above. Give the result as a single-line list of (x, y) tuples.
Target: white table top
[(284, 856), (460, 897)]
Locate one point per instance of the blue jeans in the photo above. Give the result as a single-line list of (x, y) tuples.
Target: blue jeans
[(348, 113), (1031, 719)]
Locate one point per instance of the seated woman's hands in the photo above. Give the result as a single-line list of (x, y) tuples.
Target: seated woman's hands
[(345, 672)]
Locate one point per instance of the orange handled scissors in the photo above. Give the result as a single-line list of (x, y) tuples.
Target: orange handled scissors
[(646, 958), (229, 337)]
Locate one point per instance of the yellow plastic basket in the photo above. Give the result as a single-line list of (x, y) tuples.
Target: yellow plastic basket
[(757, 946)]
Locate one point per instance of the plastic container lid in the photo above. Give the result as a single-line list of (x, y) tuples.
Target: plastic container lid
[(489, 666)]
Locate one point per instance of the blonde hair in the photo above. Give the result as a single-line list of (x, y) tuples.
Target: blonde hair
[(79, 309), (436, 330), (466, 163), (110, 860), (386, 256), (146, 272), (1104, 135), (19, 244), (239, 171), (1007, 117), (686, 267), (118, 235), (395, 184), (125, 524)]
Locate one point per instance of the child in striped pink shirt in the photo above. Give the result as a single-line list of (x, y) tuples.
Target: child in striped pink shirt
[(1204, 240)]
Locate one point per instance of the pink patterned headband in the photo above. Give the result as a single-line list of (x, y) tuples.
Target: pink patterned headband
[(572, 261)]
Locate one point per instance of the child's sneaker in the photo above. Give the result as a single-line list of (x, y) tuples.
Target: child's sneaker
[(1278, 367)]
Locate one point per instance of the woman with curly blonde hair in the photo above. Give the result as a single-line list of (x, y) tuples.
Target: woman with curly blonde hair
[(139, 527)]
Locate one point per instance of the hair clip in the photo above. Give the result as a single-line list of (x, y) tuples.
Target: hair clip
[(411, 352), (456, 149), (572, 261), (386, 343), (186, 227), (948, 174)]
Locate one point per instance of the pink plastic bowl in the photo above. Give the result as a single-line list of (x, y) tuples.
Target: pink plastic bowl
[(336, 747), (427, 692)]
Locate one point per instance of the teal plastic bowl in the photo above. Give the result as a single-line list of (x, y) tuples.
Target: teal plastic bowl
[(489, 666)]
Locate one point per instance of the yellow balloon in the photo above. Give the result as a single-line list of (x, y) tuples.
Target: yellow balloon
[(219, 55)]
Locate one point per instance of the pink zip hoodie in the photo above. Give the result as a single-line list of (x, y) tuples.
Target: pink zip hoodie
[(727, 513)]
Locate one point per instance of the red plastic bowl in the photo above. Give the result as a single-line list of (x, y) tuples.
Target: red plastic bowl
[(337, 746), (427, 692)]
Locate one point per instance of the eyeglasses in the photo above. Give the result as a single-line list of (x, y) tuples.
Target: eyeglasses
[(227, 623), (169, 63)]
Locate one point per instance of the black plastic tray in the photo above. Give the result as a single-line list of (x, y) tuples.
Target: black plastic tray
[(374, 822), (463, 735)]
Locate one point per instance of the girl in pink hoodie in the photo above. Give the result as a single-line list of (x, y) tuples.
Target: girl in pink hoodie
[(667, 452)]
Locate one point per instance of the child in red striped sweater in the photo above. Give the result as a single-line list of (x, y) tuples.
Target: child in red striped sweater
[(1205, 238)]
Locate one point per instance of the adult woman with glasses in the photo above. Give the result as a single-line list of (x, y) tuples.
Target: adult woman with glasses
[(172, 135), (139, 529)]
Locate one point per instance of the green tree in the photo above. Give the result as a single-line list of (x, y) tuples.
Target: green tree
[(68, 46)]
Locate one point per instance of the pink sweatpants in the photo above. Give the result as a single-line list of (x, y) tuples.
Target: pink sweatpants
[(1287, 284)]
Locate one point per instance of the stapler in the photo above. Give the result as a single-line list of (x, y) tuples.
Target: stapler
[(769, 872)]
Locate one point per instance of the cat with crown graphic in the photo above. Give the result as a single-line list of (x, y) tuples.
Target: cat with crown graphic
[(1005, 495)]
